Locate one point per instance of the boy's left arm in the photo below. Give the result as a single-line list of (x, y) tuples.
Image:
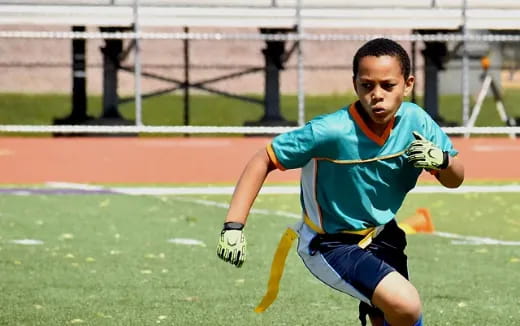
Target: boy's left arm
[(426, 155), (453, 175)]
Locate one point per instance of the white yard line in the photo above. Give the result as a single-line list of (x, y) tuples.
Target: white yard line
[(214, 190), (457, 239), (467, 189), (27, 242), (267, 189), (472, 240), (187, 241), (291, 190), (253, 211)]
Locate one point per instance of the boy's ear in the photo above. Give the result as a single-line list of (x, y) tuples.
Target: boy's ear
[(408, 85), (354, 83)]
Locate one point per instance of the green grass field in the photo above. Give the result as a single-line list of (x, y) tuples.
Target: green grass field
[(217, 110), (106, 260)]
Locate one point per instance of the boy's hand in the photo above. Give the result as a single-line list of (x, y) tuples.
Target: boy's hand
[(424, 154), (231, 246)]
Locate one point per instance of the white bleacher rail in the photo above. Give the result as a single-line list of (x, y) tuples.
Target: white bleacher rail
[(377, 14), (317, 37)]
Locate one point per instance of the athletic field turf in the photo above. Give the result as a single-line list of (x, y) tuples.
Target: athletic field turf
[(101, 258)]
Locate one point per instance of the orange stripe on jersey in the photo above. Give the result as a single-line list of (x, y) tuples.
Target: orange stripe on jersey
[(380, 140), (273, 157)]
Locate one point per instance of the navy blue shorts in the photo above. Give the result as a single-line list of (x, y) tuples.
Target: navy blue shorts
[(364, 268)]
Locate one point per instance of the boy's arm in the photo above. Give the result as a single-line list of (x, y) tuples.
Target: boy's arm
[(231, 246), (453, 175), (248, 186), (424, 154)]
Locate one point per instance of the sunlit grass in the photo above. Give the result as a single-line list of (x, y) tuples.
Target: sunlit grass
[(107, 260), (220, 111)]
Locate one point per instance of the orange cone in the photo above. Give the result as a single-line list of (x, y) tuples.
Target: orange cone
[(421, 221)]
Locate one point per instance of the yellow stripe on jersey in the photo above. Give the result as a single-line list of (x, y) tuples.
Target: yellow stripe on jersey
[(380, 158)]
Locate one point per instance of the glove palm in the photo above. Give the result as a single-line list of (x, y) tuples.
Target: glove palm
[(231, 246), (426, 155)]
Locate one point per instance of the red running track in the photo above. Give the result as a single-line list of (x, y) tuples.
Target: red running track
[(193, 160)]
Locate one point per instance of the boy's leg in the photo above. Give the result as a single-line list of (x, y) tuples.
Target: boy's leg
[(374, 314), (398, 299), (355, 271), (389, 246), (418, 323), (377, 321), (331, 272)]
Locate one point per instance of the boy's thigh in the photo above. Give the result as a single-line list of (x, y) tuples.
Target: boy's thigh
[(395, 289)]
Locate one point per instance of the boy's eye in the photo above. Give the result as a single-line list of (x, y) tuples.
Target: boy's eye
[(388, 86), (366, 85)]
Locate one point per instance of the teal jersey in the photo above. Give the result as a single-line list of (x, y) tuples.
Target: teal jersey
[(353, 179)]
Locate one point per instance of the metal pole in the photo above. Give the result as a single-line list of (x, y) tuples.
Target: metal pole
[(465, 68), (300, 77), (414, 63), (79, 77), (186, 79), (137, 67)]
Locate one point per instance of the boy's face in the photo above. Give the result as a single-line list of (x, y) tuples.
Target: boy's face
[(381, 88)]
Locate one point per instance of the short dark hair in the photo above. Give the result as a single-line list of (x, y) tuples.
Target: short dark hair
[(379, 47)]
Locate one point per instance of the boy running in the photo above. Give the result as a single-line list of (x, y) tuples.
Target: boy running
[(358, 164)]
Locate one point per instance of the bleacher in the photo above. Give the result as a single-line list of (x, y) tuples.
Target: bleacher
[(417, 14), (34, 19)]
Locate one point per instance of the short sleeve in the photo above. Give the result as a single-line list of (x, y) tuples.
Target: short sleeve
[(293, 149), (437, 136)]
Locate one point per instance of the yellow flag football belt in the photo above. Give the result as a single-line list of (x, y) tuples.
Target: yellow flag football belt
[(280, 255)]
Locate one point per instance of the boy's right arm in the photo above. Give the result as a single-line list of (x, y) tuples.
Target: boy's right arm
[(248, 186), (232, 244)]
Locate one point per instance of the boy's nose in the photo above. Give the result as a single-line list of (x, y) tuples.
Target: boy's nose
[(376, 94)]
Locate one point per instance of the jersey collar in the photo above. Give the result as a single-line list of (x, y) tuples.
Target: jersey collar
[(380, 140)]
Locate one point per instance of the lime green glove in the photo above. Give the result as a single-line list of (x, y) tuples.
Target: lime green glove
[(424, 154), (231, 246)]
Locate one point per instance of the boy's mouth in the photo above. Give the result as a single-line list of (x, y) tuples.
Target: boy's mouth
[(378, 111)]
